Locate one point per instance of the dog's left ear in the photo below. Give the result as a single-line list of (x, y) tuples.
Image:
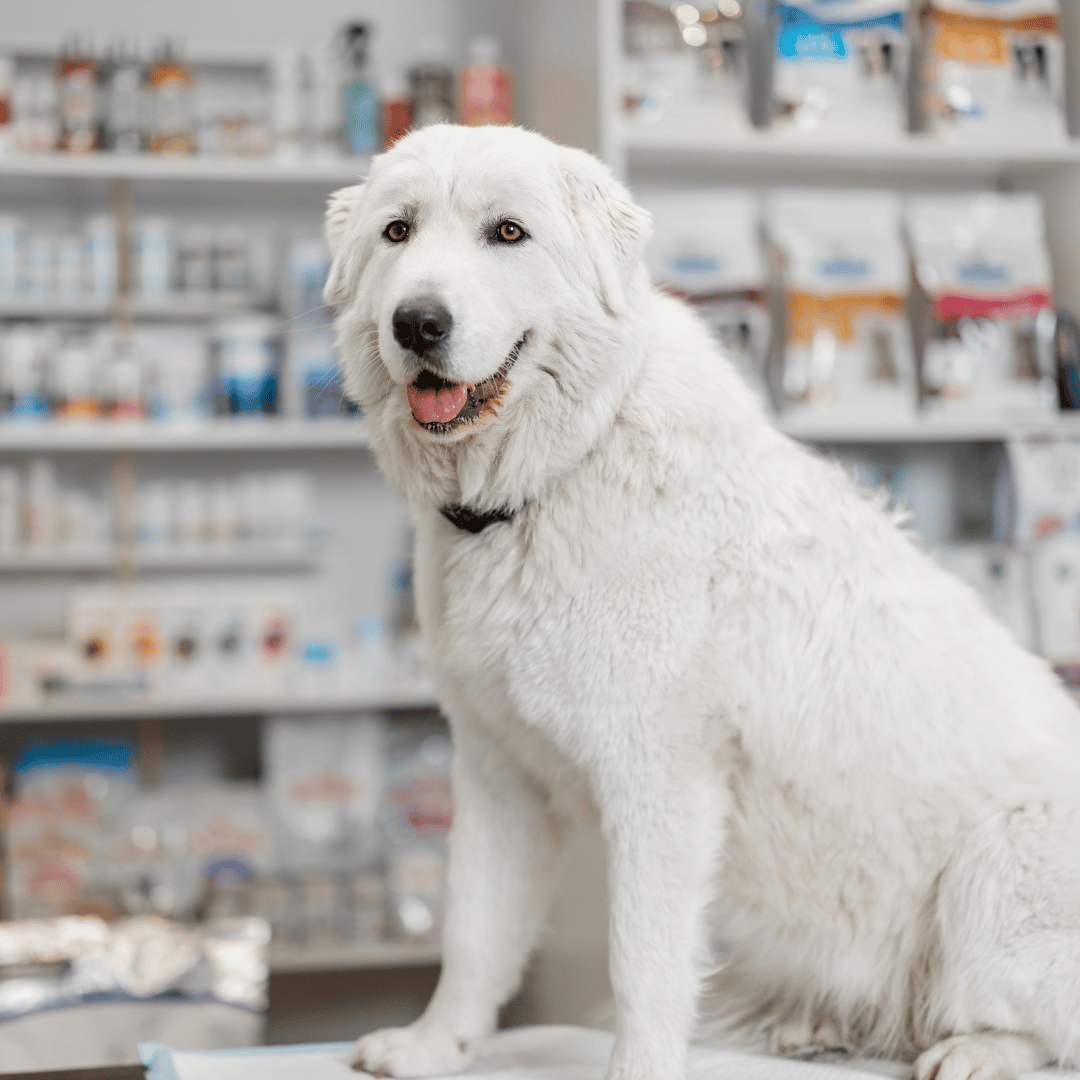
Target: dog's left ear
[(614, 227), (339, 208)]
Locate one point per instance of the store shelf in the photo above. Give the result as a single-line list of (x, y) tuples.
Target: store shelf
[(294, 959), (413, 694), (241, 556), (178, 308), (933, 429), (698, 137), (105, 166), (350, 433), (150, 437)]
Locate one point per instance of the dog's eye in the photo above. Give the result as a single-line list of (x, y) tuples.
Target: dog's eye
[(396, 231), (509, 232)]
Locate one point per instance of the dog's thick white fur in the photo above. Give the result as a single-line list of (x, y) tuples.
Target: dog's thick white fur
[(802, 739)]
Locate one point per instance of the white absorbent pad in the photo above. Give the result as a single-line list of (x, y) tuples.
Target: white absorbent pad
[(528, 1053)]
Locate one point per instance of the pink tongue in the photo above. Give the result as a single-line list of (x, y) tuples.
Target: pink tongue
[(437, 406)]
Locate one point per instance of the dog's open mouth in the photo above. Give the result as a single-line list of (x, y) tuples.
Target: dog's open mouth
[(439, 405)]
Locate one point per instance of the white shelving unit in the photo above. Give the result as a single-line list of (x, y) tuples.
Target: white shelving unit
[(178, 309), (929, 429), (414, 694), (294, 959), (148, 437), (239, 556), (321, 172), (364, 521), (699, 151), (687, 137)]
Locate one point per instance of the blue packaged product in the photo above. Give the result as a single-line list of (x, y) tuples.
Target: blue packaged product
[(247, 366), (23, 387), (841, 66)]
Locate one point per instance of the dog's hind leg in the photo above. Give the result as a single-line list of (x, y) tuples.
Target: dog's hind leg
[(504, 851), (1005, 997)]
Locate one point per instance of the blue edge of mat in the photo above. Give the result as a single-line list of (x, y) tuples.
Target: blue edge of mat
[(157, 1057)]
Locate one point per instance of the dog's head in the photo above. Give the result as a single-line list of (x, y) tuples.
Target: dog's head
[(488, 284)]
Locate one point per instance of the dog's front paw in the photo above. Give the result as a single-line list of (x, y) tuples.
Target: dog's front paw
[(409, 1052), (988, 1055)]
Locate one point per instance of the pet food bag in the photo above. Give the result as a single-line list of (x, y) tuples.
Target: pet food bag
[(1000, 576), (848, 350), (1055, 578), (706, 248), (992, 70), (324, 782), (983, 264), (1043, 488), (679, 66), (841, 66)]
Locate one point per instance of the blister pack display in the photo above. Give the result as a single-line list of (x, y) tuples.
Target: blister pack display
[(983, 263), (67, 798), (706, 248), (992, 70), (845, 277), (841, 66)]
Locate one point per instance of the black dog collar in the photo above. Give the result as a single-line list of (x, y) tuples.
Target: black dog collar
[(462, 517)]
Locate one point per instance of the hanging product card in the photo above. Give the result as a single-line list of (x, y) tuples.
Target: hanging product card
[(841, 66), (848, 352), (993, 70), (706, 248), (983, 263)]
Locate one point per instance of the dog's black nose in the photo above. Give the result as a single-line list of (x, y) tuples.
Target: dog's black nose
[(420, 325)]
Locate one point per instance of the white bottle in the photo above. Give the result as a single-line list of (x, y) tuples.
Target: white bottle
[(286, 101), (100, 239), (42, 504), (9, 509)]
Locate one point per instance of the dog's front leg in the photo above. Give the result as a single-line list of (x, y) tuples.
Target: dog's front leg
[(504, 850), (663, 822)]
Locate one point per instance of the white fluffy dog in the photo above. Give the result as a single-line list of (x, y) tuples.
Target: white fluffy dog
[(801, 738)]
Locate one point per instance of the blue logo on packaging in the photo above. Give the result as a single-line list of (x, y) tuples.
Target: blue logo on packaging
[(842, 267), (695, 264), (983, 272), (30, 407), (800, 36), (800, 43)]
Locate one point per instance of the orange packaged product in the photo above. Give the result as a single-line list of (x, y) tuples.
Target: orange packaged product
[(992, 70)]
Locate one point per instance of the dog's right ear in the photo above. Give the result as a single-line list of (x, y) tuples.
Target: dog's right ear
[(339, 209), (614, 227)]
